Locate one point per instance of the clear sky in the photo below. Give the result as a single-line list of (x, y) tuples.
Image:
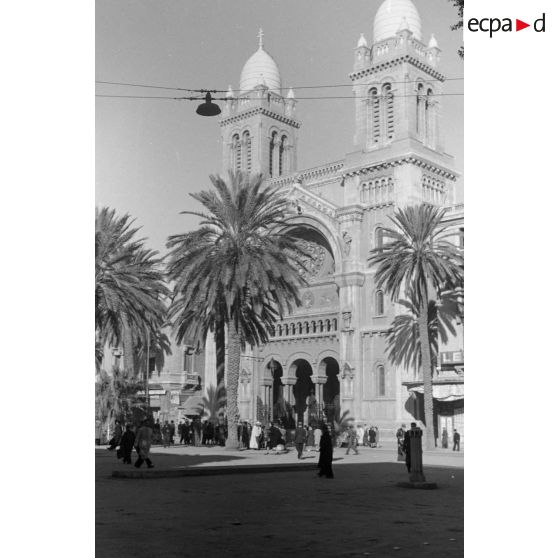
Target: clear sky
[(151, 153)]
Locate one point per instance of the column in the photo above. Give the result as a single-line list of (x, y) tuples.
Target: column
[(319, 382), (416, 473), (288, 393)]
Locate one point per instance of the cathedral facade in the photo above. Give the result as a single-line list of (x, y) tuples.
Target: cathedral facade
[(331, 353)]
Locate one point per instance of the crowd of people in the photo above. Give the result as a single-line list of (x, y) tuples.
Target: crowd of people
[(190, 432), (272, 437)]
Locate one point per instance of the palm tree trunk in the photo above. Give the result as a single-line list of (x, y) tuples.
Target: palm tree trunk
[(426, 371), (128, 350), (233, 372), (220, 352)]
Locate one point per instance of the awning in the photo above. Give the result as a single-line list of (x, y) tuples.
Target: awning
[(192, 406), (443, 392)]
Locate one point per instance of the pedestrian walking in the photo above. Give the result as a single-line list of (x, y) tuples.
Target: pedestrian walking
[(400, 435), (326, 453), (245, 435), (166, 434), (115, 440), (143, 445), (352, 440), (157, 438), (456, 440), (183, 431), (372, 437), (377, 430), (445, 438), (127, 445), (172, 432), (299, 439)]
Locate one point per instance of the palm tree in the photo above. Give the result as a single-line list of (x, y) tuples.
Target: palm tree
[(129, 288), (418, 257), (236, 270), (403, 339), (214, 401)]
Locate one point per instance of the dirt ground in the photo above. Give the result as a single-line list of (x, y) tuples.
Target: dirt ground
[(359, 513)]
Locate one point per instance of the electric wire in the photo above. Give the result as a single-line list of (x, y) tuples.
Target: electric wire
[(238, 90), (297, 98)]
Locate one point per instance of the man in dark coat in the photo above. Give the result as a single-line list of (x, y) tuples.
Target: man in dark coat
[(157, 437), (127, 444), (445, 438), (326, 453), (245, 435), (115, 440), (172, 432), (274, 437), (299, 439), (407, 447), (456, 440)]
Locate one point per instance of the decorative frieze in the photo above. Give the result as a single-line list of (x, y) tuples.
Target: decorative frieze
[(390, 164), (407, 58), (241, 116)]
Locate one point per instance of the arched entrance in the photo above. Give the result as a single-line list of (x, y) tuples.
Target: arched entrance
[(331, 393), (303, 389)]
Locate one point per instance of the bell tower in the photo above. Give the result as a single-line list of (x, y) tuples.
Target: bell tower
[(397, 87), (258, 126)]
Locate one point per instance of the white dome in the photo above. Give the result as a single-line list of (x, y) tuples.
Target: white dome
[(389, 16), (260, 68)]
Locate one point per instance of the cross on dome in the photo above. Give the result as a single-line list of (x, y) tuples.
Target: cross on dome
[(260, 69)]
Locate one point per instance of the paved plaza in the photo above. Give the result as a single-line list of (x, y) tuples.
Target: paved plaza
[(280, 513)]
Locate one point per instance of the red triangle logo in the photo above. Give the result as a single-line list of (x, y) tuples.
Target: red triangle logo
[(519, 25)]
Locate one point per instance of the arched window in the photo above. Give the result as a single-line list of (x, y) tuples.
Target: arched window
[(373, 116), (381, 375), (282, 156), (387, 112), (246, 151), (379, 303), (237, 155), (420, 110), (379, 238), (272, 153)]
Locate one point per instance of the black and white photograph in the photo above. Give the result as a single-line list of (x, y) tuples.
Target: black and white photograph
[(279, 258), (270, 196)]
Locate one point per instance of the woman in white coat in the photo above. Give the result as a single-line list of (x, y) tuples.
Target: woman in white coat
[(255, 437)]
